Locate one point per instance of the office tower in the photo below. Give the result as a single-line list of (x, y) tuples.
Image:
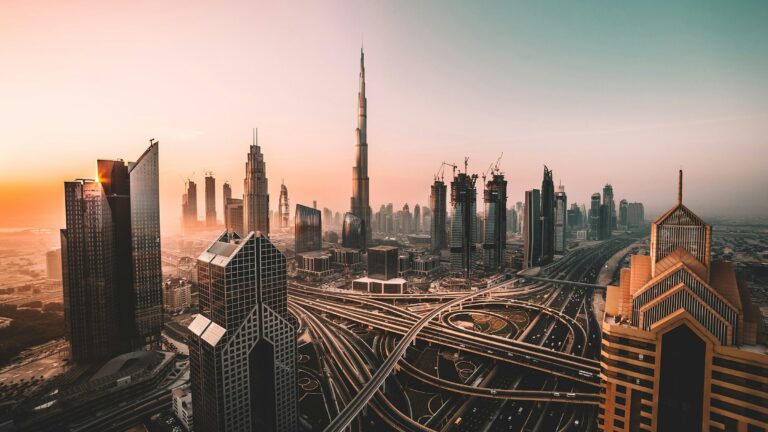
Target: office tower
[(226, 191), (233, 215), (111, 259), (594, 217), (242, 345), (353, 232), (604, 223), (635, 214), (463, 224), (189, 206), (520, 210), (406, 220), (328, 216), (53, 264), (210, 200), (308, 229), (561, 221), (547, 217), (608, 200), (383, 262), (417, 219), (359, 201), (255, 191), (437, 204), (511, 220), (575, 219), (682, 343), (283, 207), (495, 241), (623, 213), (532, 229)]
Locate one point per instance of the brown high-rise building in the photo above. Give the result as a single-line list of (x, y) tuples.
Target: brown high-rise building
[(359, 205), (683, 347), (210, 200), (255, 191)]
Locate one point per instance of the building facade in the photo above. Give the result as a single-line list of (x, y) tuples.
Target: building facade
[(308, 229), (463, 224), (547, 216), (594, 217), (189, 206), (561, 219), (242, 345), (233, 216), (383, 262), (495, 239), (683, 346), (359, 203), (353, 232), (283, 207), (437, 202), (635, 215), (532, 229), (210, 200)]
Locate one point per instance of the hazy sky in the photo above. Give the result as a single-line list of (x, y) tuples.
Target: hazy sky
[(600, 91)]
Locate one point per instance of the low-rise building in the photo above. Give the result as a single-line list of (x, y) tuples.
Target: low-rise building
[(177, 295), (392, 286), (316, 264), (182, 406)]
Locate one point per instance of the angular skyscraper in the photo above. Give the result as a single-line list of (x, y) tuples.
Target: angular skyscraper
[(210, 200), (463, 224), (308, 229), (495, 240), (255, 191), (532, 229), (242, 345), (360, 205), (683, 345), (189, 206), (437, 203), (283, 207), (111, 259), (547, 217), (561, 220)]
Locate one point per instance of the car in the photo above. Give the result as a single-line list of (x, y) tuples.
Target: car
[(556, 394), (493, 391), (570, 395)]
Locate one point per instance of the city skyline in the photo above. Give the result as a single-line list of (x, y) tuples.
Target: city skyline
[(690, 83)]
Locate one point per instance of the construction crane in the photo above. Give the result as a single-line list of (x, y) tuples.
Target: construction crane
[(440, 171)]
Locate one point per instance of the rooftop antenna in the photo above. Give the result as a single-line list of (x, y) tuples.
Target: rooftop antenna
[(255, 140), (680, 188)]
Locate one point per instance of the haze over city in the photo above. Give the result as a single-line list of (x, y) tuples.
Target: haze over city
[(597, 91)]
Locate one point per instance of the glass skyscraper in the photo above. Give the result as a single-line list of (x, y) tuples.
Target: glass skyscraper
[(308, 229), (463, 224)]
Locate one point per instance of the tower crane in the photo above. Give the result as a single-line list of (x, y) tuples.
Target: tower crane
[(440, 171)]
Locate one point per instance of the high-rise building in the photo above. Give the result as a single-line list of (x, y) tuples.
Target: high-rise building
[(111, 259), (532, 229), (210, 200), (283, 207), (242, 344), (417, 219), (383, 262), (360, 206), (561, 220), (189, 206), (511, 220), (575, 218), (308, 229), (635, 214), (353, 232), (53, 264), (463, 224), (683, 346), (604, 223), (609, 201), (547, 217), (495, 240), (226, 191), (406, 220), (623, 213), (233, 216), (255, 191), (437, 203), (594, 217)]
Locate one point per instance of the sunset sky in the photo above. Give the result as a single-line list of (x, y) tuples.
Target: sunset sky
[(600, 91)]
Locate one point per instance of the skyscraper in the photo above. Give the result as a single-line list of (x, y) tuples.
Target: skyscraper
[(353, 232), (233, 215), (679, 338), (189, 206), (623, 213), (561, 220), (547, 217), (417, 219), (226, 193), (635, 214), (406, 220), (594, 217), (609, 201), (532, 229), (242, 345), (360, 206), (495, 240), (255, 191), (308, 229), (111, 259), (283, 207), (463, 224), (210, 200), (437, 202)]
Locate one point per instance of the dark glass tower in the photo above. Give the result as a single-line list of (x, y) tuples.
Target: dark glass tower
[(561, 220), (255, 191), (594, 217), (532, 229), (360, 205), (495, 243), (189, 206), (111, 259), (308, 229), (437, 203), (353, 232), (547, 217), (210, 200), (611, 204), (463, 224), (242, 345)]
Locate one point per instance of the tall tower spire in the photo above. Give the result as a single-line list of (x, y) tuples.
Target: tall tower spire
[(680, 188), (255, 190), (359, 203)]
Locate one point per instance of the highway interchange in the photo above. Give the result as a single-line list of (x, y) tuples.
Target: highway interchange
[(519, 354)]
